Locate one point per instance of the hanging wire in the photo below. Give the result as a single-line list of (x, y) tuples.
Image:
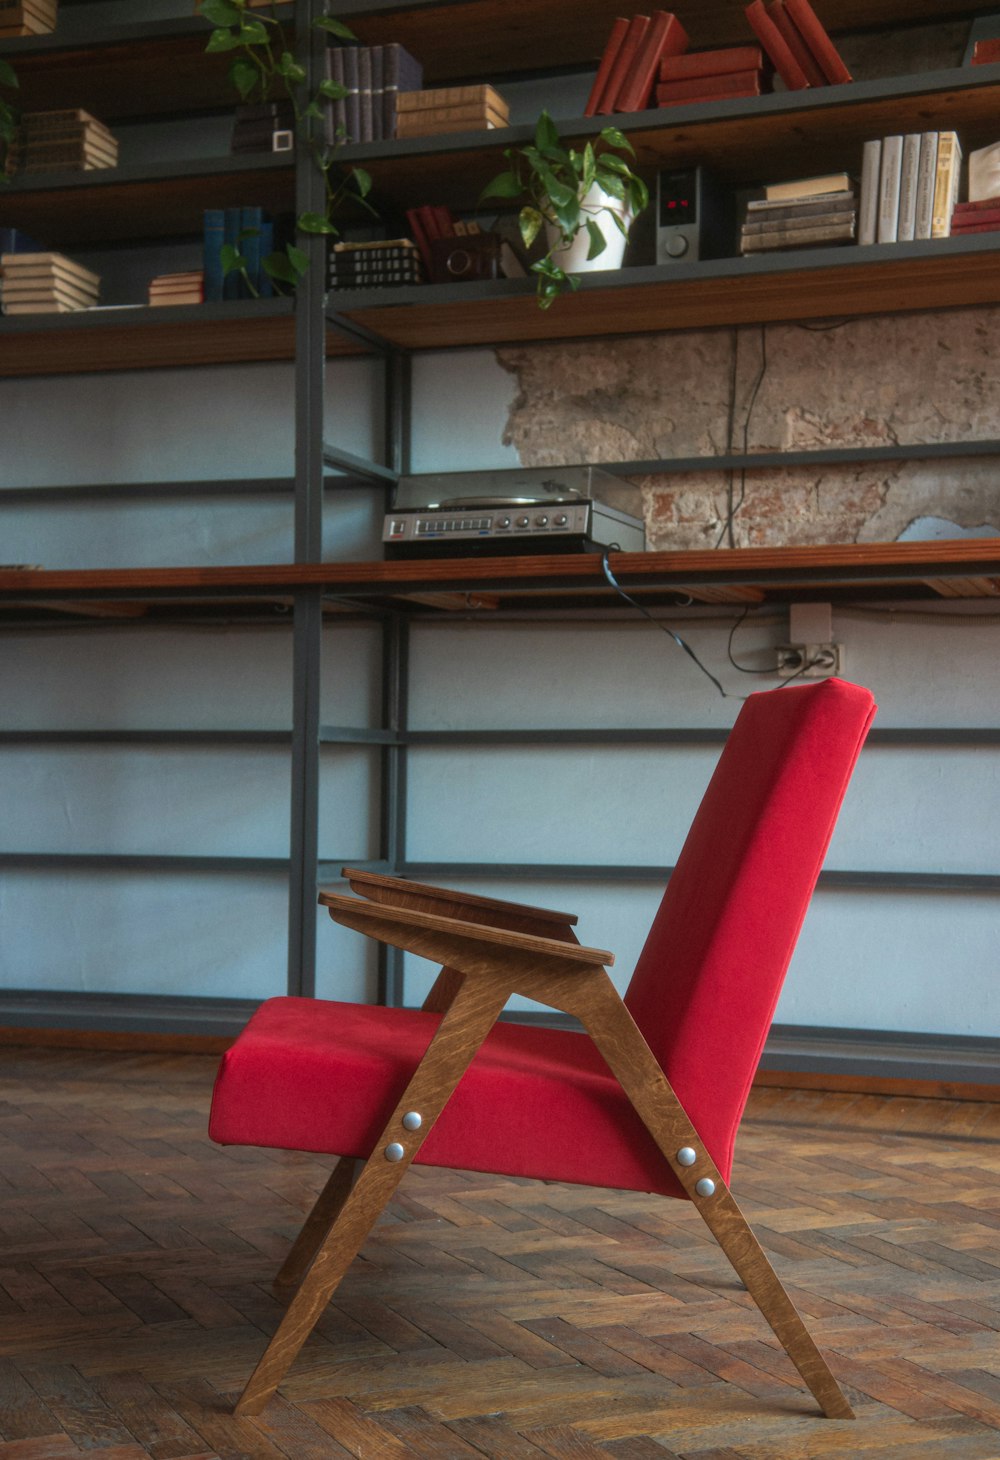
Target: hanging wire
[(733, 506)]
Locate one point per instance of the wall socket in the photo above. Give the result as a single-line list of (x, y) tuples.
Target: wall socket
[(809, 661)]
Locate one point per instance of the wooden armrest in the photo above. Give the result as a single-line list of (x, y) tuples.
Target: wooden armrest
[(489, 912), (454, 932)]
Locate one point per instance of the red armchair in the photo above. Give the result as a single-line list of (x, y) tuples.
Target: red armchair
[(649, 1098)]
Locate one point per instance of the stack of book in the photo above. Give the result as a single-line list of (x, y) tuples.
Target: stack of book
[(372, 78), (45, 283), (27, 17), (797, 44), (981, 216), (374, 265), (250, 231), (188, 288), (450, 109), (266, 126), (985, 52), (909, 186), (70, 140), (627, 70), (712, 75), (801, 214)]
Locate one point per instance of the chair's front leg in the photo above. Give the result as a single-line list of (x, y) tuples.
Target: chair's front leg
[(462, 1030)]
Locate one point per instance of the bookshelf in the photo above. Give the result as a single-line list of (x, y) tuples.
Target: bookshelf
[(159, 70)]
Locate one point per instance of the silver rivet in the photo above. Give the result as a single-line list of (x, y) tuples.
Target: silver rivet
[(686, 1156), (412, 1120), (705, 1187), (394, 1152)]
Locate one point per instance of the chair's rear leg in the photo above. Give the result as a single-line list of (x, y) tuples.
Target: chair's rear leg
[(325, 1211)]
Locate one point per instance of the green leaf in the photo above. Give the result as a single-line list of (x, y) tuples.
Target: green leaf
[(545, 132), (597, 243), (247, 233), (335, 27), (244, 75), (290, 68), (221, 12), (589, 167), (277, 266), (314, 223), (333, 90), (530, 221), (362, 180), (615, 164), (7, 77), (253, 33), (222, 40), (315, 110), (614, 138), (299, 260), (231, 258), (504, 185)]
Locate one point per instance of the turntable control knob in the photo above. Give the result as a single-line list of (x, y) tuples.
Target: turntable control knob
[(501, 522), (541, 521), (522, 522), (561, 520)]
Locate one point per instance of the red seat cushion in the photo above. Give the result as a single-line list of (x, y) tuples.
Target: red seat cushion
[(312, 1075)]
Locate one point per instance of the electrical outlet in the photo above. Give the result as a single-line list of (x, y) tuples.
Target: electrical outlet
[(809, 661)]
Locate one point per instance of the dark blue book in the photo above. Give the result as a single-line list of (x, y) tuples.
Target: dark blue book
[(213, 234), (15, 240), (400, 72), (266, 247), (232, 284)]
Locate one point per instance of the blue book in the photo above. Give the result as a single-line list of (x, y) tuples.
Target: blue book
[(213, 234), (251, 218), (15, 240), (266, 247), (232, 284)]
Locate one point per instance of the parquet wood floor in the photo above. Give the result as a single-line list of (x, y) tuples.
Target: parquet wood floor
[(486, 1317)]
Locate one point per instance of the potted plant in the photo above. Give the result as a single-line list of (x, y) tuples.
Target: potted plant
[(585, 200)]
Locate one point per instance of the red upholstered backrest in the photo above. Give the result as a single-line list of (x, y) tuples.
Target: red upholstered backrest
[(708, 979)]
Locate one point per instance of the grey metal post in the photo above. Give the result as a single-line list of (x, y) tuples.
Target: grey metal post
[(310, 362)]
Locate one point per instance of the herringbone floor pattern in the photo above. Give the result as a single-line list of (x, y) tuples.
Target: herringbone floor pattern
[(486, 1317)]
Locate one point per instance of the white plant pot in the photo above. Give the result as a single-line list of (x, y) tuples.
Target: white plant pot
[(573, 259)]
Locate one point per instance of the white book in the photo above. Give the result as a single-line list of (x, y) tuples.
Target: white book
[(946, 176), (926, 172), (871, 160), (888, 205), (906, 222)]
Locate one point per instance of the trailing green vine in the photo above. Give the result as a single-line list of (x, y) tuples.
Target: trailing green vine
[(8, 118), (264, 68)]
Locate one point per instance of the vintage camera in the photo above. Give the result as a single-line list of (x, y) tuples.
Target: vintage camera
[(465, 256)]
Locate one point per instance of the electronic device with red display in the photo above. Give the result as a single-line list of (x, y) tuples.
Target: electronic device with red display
[(693, 216)]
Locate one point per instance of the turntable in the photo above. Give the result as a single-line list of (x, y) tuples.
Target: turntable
[(533, 510)]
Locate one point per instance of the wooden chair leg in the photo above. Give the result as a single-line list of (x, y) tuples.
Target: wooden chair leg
[(463, 1027), (317, 1224), (614, 1032)]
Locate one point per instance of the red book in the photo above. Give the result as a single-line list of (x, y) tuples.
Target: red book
[(976, 206), (695, 100), (737, 83), (637, 28), (444, 223), (985, 52), (711, 63), (665, 37), (977, 228), (776, 47), (808, 25), (418, 235), (795, 43), (607, 60)]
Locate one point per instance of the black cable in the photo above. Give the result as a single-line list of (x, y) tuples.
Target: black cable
[(734, 507), (729, 647)]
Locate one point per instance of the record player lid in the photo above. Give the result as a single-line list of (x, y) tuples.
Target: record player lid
[(522, 486)]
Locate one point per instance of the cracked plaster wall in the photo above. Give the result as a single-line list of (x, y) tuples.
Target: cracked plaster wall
[(904, 379)]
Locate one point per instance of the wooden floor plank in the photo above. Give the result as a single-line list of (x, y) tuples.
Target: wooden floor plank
[(486, 1316)]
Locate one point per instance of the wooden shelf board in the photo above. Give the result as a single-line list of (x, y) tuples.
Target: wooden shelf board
[(77, 210), (962, 568), (148, 339), (804, 284)]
